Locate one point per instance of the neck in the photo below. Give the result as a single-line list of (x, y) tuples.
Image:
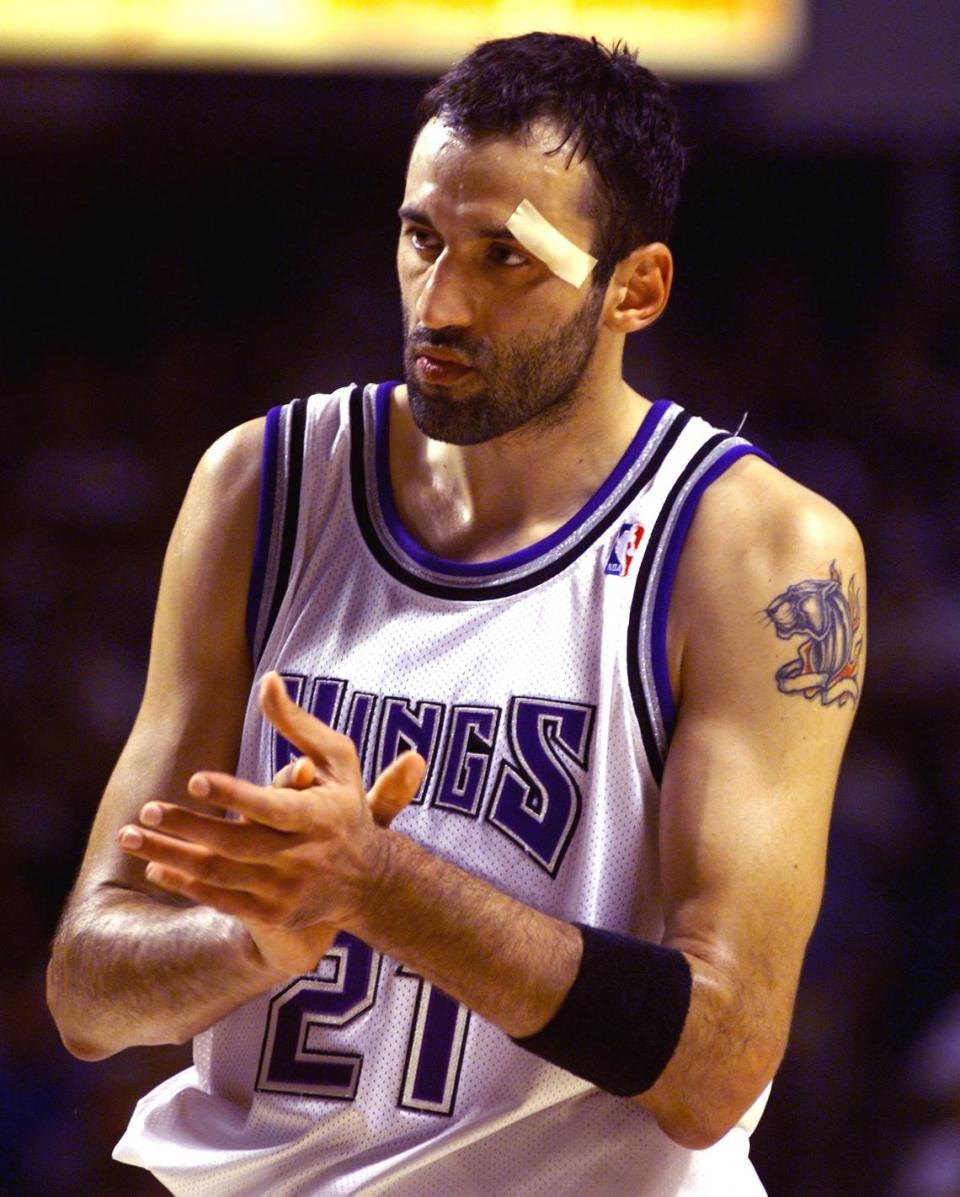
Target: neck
[(479, 502)]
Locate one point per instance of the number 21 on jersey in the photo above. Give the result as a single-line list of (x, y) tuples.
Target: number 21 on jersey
[(297, 1056)]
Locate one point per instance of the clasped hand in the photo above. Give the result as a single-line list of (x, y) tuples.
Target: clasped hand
[(300, 857)]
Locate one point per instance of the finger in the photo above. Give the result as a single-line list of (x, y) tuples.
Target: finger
[(239, 839), (282, 809), (282, 777), (305, 731), (197, 862), (303, 773), (396, 787), (239, 903), (299, 774)]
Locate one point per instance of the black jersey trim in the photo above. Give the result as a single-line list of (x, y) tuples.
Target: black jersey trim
[(265, 517), (634, 646), (495, 590), (426, 564), (297, 423)]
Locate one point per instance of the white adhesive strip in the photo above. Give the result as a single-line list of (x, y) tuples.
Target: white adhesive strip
[(536, 233)]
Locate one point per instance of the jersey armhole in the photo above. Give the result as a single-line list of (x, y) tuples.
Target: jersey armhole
[(648, 667), (277, 517)]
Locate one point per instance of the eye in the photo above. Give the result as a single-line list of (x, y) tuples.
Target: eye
[(507, 255), (424, 241)]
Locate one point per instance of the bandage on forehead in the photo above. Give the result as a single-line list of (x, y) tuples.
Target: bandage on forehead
[(537, 234)]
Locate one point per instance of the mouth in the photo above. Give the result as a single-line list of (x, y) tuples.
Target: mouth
[(439, 366)]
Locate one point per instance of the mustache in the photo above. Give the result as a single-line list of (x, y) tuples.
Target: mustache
[(442, 338)]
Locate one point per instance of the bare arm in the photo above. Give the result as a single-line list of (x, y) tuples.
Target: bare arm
[(744, 814), (130, 964), (749, 784)]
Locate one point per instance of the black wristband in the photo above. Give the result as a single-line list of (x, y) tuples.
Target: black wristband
[(621, 1021)]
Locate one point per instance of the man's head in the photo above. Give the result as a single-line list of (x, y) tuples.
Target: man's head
[(608, 109), (581, 141)]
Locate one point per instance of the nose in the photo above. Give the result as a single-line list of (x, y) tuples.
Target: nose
[(446, 299)]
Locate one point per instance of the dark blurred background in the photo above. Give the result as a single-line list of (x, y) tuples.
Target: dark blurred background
[(180, 250)]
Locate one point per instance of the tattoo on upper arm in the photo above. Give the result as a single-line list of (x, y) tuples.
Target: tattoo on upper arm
[(827, 665)]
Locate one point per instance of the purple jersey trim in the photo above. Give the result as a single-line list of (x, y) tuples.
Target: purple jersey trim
[(661, 606), (513, 560), (261, 551)]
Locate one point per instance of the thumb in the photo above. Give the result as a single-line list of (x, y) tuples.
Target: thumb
[(396, 787)]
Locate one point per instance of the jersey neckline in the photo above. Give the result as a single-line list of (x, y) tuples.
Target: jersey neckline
[(408, 561), (521, 557)]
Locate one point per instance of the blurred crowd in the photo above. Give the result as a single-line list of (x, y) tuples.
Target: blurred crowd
[(178, 253)]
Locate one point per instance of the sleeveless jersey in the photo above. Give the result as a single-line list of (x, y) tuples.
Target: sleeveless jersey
[(536, 687)]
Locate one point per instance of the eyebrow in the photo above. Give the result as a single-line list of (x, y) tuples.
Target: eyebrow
[(415, 216), (495, 232)]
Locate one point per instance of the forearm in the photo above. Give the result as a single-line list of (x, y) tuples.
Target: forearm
[(510, 963), (515, 965), (129, 970)]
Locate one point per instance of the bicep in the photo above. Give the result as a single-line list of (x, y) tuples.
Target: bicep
[(744, 822), (199, 674)]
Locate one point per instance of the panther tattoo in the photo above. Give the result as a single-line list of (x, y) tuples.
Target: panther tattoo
[(828, 660)]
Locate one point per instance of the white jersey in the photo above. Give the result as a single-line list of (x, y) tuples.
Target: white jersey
[(536, 686)]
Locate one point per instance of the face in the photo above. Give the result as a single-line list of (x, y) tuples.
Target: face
[(495, 341)]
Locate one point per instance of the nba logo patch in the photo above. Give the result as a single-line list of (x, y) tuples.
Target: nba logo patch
[(624, 550)]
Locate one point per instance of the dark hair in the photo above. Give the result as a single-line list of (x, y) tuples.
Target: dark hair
[(609, 109)]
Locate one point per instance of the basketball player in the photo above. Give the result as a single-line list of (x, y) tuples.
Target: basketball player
[(597, 658)]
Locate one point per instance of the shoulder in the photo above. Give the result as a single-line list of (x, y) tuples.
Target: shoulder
[(757, 538), (230, 468), (223, 497), (209, 558), (758, 519)]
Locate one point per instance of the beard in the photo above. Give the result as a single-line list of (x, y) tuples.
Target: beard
[(529, 383)]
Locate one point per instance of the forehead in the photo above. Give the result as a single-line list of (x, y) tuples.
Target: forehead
[(483, 180)]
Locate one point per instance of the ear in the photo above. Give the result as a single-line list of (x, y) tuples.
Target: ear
[(639, 288)]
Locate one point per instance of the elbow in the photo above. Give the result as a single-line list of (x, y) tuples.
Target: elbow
[(704, 1121), (74, 1029), (71, 1036), (697, 1116), (84, 1049), (695, 1129), (90, 1032)]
